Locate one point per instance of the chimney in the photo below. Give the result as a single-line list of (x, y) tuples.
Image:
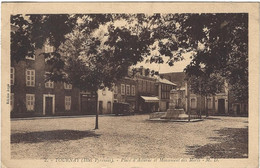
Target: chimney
[(147, 72), (130, 72), (141, 70)]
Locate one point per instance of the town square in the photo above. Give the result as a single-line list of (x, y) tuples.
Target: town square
[(130, 87)]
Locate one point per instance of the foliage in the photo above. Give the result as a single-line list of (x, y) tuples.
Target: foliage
[(206, 85), (218, 42), (222, 48)]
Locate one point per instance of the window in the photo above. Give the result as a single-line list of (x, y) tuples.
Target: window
[(140, 85), (48, 49), (30, 77), (209, 103), (152, 87), (67, 86), (193, 103), (167, 95), (115, 89), (144, 85), (133, 90), (148, 86), (30, 99), (122, 89), (49, 84), (163, 95), (12, 101), (127, 89), (67, 102), (12, 75), (30, 58)]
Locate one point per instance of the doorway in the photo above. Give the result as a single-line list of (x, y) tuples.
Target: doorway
[(109, 107), (48, 104), (238, 108), (88, 104), (221, 106)]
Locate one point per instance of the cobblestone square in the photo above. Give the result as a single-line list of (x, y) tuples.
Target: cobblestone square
[(128, 136)]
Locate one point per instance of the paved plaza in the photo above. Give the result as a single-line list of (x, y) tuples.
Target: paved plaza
[(128, 136)]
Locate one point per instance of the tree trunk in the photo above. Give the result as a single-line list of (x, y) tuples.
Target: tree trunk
[(97, 112), (200, 106), (188, 99), (96, 127), (207, 113)]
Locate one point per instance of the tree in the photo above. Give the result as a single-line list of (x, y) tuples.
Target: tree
[(218, 41), (91, 53), (206, 86), (221, 46)]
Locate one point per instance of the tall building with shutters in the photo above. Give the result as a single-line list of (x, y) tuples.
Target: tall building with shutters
[(32, 95)]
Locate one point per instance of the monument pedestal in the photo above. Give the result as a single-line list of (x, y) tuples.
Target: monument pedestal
[(175, 114)]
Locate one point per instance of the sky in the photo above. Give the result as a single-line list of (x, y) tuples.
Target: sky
[(165, 68), (162, 68)]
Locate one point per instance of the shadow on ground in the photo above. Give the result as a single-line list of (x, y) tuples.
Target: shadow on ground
[(212, 118), (53, 136), (231, 143)]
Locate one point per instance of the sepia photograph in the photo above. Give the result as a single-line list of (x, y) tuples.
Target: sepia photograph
[(129, 87)]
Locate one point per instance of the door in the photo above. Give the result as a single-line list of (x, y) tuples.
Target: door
[(221, 106), (238, 108), (88, 104), (48, 105), (108, 107)]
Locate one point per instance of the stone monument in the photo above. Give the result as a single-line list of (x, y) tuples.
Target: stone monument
[(175, 111)]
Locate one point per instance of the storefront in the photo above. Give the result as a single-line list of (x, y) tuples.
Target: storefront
[(148, 104)]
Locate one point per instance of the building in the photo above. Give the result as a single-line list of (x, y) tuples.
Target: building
[(105, 101), (147, 96), (237, 107), (217, 104), (32, 95), (125, 92), (163, 88)]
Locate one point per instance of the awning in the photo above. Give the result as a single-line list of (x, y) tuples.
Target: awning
[(150, 99)]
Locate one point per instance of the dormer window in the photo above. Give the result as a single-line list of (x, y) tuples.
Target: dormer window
[(48, 48), (30, 58), (67, 86)]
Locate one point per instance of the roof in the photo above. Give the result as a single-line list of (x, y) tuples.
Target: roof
[(165, 81), (176, 77), (150, 99)]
